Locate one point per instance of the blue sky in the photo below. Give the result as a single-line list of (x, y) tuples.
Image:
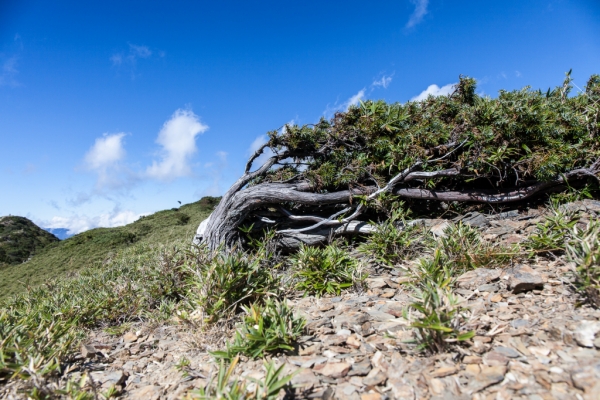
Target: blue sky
[(118, 109)]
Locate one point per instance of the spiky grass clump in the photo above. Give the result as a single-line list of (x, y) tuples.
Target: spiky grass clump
[(326, 270), (584, 251), (265, 329)]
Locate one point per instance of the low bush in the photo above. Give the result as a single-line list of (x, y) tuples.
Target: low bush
[(440, 319), (554, 232), (326, 270), (224, 387), (221, 285), (39, 327), (584, 250), (390, 244), (265, 329)]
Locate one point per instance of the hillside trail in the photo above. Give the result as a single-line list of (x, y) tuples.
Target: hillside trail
[(533, 341)]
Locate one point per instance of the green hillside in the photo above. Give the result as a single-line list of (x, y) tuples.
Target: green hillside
[(19, 239), (93, 247)]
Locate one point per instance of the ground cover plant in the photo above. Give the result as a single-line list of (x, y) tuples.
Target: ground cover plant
[(326, 270), (92, 248), (322, 178), (267, 328)]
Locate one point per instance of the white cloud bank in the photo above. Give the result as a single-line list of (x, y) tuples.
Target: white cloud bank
[(135, 52), (104, 159), (420, 11), (435, 90), (384, 82), (178, 140), (76, 223)]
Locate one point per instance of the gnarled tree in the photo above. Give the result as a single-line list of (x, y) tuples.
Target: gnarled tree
[(321, 180)]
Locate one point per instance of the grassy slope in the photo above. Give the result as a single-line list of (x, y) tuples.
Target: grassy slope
[(92, 248), (20, 238)]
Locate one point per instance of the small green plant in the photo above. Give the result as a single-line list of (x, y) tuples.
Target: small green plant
[(265, 329), (391, 244), (222, 284), (325, 271), (553, 234), (584, 251), (440, 315), (223, 387), (463, 247)]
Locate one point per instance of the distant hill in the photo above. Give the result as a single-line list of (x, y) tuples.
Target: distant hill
[(93, 247), (61, 233), (20, 238)]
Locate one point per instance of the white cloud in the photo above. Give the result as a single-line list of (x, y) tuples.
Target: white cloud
[(9, 72), (178, 140), (106, 151), (384, 82), (354, 100), (104, 158), (80, 223), (518, 74), (135, 52), (419, 12), (435, 90), (139, 51)]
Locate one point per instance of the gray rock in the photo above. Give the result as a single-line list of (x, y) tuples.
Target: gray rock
[(350, 320), (478, 277), (522, 278), (474, 218), (520, 323), (374, 378), (507, 351), (380, 316), (360, 369)]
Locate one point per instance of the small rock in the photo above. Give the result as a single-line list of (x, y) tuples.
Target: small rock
[(130, 337), (376, 283), (477, 277), (353, 341), (149, 392), (401, 389), (519, 323), (444, 371), (310, 350), (334, 370), (88, 351), (522, 278), (585, 333), (487, 377), (494, 358), (474, 218), (305, 378), (346, 391), (350, 320), (507, 351), (370, 396), (380, 316), (360, 369), (374, 378), (472, 360)]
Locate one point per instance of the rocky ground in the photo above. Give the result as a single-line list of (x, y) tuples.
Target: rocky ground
[(533, 340)]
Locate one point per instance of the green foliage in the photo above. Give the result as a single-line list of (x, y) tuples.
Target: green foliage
[(440, 319), (93, 248), (265, 329), (390, 245), (226, 388), (464, 248), (554, 232), (39, 327), (519, 137), (20, 238), (584, 250), (221, 285), (326, 270)]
